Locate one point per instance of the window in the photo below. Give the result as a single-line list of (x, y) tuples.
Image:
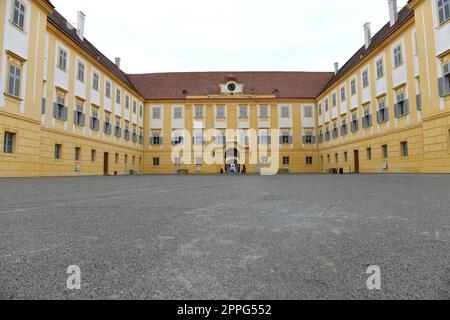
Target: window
[(9, 142), (58, 151), (344, 127), (177, 139), (116, 158), (80, 71), (198, 111), (309, 137), (286, 161), (118, 98), (117, 128), (367, 118), (177, 113), (444, 10), (404, 148), (285, 137), (127, 102), (308, 112), (336, 157), (343, 97), (444, 82), (141, 111), (402, 105), (156, 114), (326, 105), (78, 115), (320, 109), (95, 122), (77, 153), (309, 161), (155, 162), (263, 112), (95, 81), (264, 160), (333, 100), (353, 87), (383, 111), (134, 107), (59, 108), (198, 138), (354, 123), (345, 156), (14, 80), (126, 132), (93, 155), (220, 112), (327, 134), (198, 161), (156, 138), (328, 158), (369, 153), (365, 78), (243, 111), (125, 159), (62, 59), (19, 14), (285, 112), (380, 69), (398, 58), (108, 89), (264, 137), (384, 151), (177, 161), (107, 124)]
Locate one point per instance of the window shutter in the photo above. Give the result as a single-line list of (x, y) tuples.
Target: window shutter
[(441, 82), (313, 139), (105, 127), (75, 116), (83, 119), (304, 139), (379, 116), (370, 120), (44, 103), (419, 102), (281, 139), (92, 123), (396, 110), (290, 139), (406, 106), (386, 114), (65, 113), (161, 140), (269, 140)]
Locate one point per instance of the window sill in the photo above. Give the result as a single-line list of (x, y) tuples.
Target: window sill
[(9, 155), (62, 69), (401, 116), (443, 24), (11, 97), (398, 66), (18, 28)]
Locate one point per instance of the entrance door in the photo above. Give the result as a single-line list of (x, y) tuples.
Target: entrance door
[(105, 163), (232, 161), (356, 156)]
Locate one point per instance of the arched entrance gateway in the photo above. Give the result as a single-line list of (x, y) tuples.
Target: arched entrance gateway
[(232, 161)]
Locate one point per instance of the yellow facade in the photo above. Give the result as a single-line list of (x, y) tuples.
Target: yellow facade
[(39, 138)]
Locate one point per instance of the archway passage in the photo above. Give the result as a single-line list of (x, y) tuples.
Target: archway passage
[(232, 163)]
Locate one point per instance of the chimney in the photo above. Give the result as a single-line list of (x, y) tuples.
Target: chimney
[(367, 34), (393, 14), (117, 62), (80, 24), (336, 67)]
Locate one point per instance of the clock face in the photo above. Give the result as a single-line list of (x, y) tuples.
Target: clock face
[(231, 87)]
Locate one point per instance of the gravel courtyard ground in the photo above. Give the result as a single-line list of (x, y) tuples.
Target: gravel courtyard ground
[(226, 237)]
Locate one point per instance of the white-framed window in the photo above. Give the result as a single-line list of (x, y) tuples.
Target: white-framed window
[(77, 153), (127, 102), (286, 161), (365, 78), (398, 57), (19, 14), (156, 113), (263, 111), (308, 111), (118, 96), (95, 80), (62, 59), (380, 69), (108, 89), (285, 112), (9, 142), (326, 105), (198, 161), (14, 80), (178, 113), (177, 161), (404, 149), (320, 109), (134, 107), (343, 95), (243, 111), (333, 100), (220, 111), (444, 10), (80, 71), (353, 86), (309, 161), (264, 160), (58, 151), (141, 110), (198, 113)]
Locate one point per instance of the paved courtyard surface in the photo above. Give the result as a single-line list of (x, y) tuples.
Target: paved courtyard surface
[(226, 237)]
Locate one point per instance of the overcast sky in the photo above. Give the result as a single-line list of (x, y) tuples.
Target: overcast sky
[(231, 35)]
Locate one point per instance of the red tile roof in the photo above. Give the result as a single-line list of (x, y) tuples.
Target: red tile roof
[(172, 86)]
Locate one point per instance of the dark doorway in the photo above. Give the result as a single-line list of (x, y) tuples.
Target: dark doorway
[(356, 156), (232, 161), (105, 163)]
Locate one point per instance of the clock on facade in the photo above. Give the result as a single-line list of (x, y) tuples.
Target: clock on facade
[(231, 87)]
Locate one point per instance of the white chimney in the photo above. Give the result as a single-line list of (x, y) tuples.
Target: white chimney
[(367, 34), (336, 67), (117, 62), (80, 24), (393, 14)]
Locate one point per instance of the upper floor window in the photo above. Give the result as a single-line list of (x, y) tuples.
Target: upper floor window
[(19, 14), (118, 98), (156, 113), (198, 111), (365, 78), (95, 81), (326, 105), (353, 86), (134, 107), (263, 112), (320, 109), (333, 100), (444, 81), (178, 113), (108, 89), (398, 58), (444, 10), (62, 59), (380, 69), (14, 79), (243, 111), (308, 111), (285, 112), (80, 71), (343, 97), (141, 111), (127, 102), (220, 112)]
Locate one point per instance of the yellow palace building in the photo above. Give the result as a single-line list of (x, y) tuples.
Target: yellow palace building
[(66, 109)]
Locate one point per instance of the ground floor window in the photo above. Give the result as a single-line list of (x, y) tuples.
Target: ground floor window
[(336, 157), (309, 161), (117, 158), (77, 153), (156, 162), (93, 155), (177, 161), (134, 160), (384, 149), (369, 153), (346, 156), (404, 148), (286, 160), (58, 151), (9, 142)]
